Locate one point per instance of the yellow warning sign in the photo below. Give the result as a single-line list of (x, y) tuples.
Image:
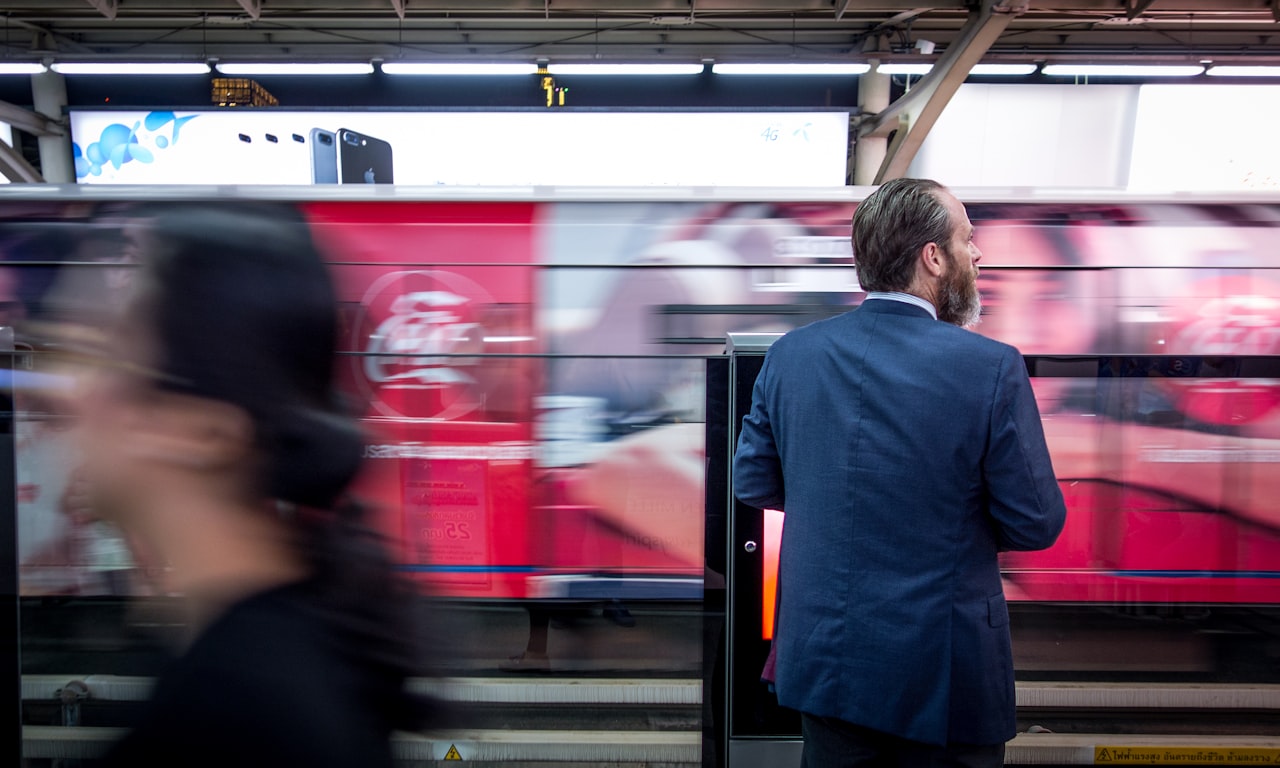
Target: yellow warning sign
[(1186, 755), (452, 754)]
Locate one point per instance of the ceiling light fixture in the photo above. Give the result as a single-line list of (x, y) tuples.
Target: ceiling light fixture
[(267, 68), (1002, 70), (979, 70), (457, 68), (1243, 70), (130, 67), (791, 68), (1122, 70), (625, 69), (904, 69), (21, 68)]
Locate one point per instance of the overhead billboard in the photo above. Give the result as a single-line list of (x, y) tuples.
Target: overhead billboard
[(747, 149), (1231, 148)]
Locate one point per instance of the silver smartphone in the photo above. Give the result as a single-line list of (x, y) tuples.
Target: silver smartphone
[(324, 157)]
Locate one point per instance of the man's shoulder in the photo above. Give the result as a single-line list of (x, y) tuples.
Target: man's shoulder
[(972, 342), (819, 333), (945, 337)]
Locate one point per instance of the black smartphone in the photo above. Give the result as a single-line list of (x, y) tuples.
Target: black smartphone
[(363, 159), (324, 157)]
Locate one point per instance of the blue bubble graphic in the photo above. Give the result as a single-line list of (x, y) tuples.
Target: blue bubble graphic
[(75, 150), (119, 155), (119, 144), (155, 120), (113, 136), (181, 121)]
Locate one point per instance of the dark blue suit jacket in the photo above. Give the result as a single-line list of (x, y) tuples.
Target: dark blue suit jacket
[(906, 453)]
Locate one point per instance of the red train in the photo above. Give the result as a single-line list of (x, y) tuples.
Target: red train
[(531, 373)]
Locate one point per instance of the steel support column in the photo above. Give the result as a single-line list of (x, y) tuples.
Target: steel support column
[(869, 151), (49, 97), (915, 113)]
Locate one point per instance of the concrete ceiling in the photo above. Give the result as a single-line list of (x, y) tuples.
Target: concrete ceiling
[(629, 30)]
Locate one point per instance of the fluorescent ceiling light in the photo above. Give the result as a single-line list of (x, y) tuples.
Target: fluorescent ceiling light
[(130, 68), (1002, 69), (457, 68), (21, 68), (978, 69), (1122, 70), (904, 69), (625, 69), (1243, 71), (296, 68), (794, 68)]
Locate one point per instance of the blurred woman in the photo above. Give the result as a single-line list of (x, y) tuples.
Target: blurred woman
[(212, 438)]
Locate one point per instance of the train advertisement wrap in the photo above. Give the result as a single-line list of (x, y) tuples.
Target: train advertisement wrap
[(531, 380)]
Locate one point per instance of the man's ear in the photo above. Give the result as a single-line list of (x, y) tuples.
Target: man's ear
[(933, 260), (186, 431)]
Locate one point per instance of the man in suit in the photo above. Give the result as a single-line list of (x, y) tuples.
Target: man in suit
[(906, 452)]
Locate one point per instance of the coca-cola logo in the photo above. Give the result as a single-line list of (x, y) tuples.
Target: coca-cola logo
[(421, 334), (1240, 318), (1232, 325)]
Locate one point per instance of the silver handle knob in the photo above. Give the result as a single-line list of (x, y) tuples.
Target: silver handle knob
[(750, 546)]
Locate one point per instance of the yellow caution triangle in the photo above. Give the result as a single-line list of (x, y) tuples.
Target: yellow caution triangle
[(452, 754), (1103, 756)]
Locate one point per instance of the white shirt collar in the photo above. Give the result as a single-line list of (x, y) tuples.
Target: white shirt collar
[(905, 298)]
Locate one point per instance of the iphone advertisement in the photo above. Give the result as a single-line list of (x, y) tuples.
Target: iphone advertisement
[(229, 146)]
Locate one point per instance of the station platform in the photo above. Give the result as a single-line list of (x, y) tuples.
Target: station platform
[(624, 722)]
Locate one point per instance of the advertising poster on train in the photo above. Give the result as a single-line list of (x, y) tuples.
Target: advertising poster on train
[(233, 146), (436, 306)]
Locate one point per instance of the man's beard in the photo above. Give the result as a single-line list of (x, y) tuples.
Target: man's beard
[(958, 301)]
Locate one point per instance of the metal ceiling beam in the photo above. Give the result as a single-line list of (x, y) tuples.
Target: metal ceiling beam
[(882, 123), (30, 121), (15, 168), (814, 29), (1135, 9), (898, 18), (107, 8), (252, 7), (48, 36), (933, 94)]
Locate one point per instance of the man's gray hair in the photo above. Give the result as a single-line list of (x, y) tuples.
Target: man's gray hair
[(891, 227)]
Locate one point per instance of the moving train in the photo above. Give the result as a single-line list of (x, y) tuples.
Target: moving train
[(530, 370)]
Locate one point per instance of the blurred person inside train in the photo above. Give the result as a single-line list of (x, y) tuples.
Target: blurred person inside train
[(1036, 295), (43, 529), (648, 480), (211, 434), (77, 552)]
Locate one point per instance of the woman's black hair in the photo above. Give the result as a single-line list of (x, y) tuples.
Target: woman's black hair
[(240, 308)]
